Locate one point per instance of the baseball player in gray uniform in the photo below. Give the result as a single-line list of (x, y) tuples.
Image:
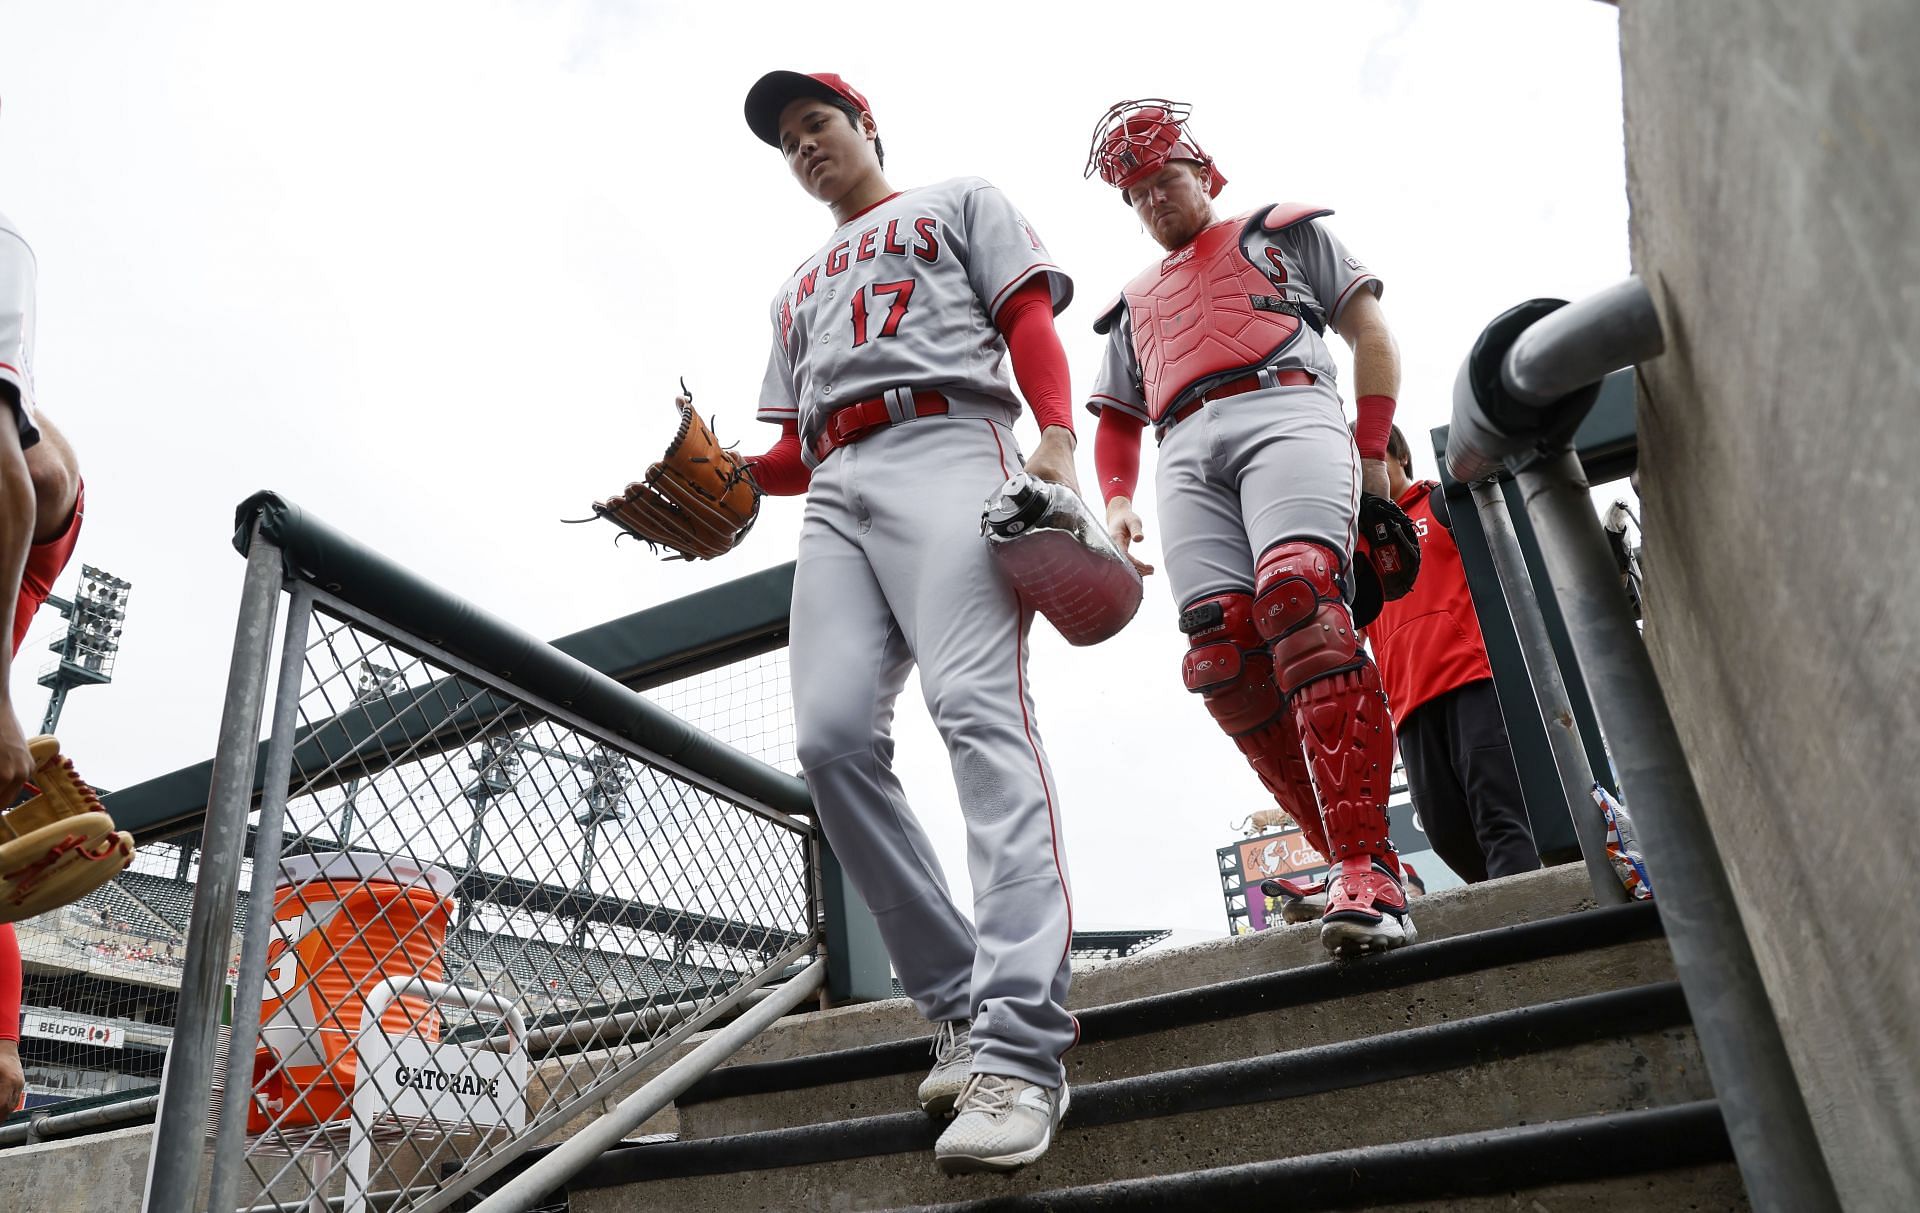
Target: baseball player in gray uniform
[(889, 376), (1219, 347)]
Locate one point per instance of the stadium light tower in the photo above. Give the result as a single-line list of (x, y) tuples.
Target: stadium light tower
[(375, 683), (95, 618), (606, 802), (497, 767)]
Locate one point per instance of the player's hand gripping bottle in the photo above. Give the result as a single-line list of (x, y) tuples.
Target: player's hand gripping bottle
[(1060, 559)]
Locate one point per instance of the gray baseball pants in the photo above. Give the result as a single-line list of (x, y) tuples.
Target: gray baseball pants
[(893, 572), (1250, 471)]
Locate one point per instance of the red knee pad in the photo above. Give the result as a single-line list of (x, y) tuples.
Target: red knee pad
[(1227, 662), (1300, 608)]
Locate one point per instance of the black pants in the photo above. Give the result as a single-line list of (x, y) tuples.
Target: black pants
[(1460, 772)]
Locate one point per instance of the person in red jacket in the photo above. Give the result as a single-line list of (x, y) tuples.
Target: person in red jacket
[(1433, 664)]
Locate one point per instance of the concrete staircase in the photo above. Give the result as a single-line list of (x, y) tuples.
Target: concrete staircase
[(1535, 1055)]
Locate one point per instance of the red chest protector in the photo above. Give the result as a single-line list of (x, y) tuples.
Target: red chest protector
[(1206, 314)]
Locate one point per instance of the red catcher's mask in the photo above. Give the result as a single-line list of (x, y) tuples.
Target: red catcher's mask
[(1134, 139)]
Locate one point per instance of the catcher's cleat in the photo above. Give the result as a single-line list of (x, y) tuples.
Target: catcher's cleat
[(1366, 910), (1300, 900), (60, 845)]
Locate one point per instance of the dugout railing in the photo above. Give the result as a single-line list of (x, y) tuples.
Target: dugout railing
[(487, 886), (1535, 375)]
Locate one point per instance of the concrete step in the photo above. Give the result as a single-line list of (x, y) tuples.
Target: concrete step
[(1673, 1160), (1475, 974), (1573, 1058), (1509, 901)]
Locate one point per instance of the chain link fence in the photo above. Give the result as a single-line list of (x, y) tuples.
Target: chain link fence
[(467, 892), (748, 704), (102, 976), (485, 914)]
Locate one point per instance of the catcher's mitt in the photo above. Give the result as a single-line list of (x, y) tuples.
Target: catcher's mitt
[(1393, 546), (699, 501), (60, 845)]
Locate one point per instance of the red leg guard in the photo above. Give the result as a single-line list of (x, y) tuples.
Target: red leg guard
[(1337, 705), (1227, 663)]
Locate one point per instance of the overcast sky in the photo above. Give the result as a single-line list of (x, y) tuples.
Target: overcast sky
[(431, 270)]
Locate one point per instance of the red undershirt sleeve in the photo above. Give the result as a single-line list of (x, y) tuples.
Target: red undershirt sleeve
[(1116, 453), (1039, 360), (780, 471), (9, 987)]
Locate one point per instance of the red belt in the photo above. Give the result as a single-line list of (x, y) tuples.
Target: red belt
[(848, 425), (1236, 387)]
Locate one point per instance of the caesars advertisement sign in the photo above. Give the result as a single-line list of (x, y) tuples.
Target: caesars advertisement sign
[(1287, 853), (73, 1031)]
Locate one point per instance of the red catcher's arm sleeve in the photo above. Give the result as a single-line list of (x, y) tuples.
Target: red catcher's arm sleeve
[(9, 986), (1039, 361), (1116, 453), (780, 471)]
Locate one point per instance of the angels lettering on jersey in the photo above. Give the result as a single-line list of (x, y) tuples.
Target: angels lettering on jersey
[(915, 237), (901, 298)]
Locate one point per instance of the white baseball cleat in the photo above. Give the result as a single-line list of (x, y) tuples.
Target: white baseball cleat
[(952, 1066), (1366, 910), (1001, 1124)]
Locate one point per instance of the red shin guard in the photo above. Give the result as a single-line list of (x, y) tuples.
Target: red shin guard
[(1228, 663), (1334, 692)]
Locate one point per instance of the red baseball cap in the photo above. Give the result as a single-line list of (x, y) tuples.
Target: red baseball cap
[(774, 91)]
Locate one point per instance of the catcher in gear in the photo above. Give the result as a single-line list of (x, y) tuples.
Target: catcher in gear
[(1218, 345), (698, 500)]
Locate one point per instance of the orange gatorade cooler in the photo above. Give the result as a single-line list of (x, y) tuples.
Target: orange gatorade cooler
[(344, 922)]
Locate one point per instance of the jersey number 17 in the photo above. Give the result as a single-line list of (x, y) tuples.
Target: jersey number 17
[(902, 293)]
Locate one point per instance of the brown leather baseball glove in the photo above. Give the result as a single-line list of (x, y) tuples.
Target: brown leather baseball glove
[(699, 501), (59, 846)]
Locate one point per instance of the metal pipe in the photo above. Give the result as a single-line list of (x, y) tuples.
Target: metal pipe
[(585, 1033), (523, 1190), (1549, 692), (1766, 1116), (66, 1124), (230, 1133), (560, 1112), (1582, 343), (173, 1168)]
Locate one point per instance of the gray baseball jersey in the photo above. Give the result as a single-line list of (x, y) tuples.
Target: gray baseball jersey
[(16, 328), (902, 296), (1306, 263), (893, 573)]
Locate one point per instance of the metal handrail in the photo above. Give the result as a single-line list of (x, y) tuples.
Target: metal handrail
[(507, 666), (1582, 343), (1526, 384), (570, 1158)]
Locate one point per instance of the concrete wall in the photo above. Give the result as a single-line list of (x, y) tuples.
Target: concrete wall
[(1774, 182)]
